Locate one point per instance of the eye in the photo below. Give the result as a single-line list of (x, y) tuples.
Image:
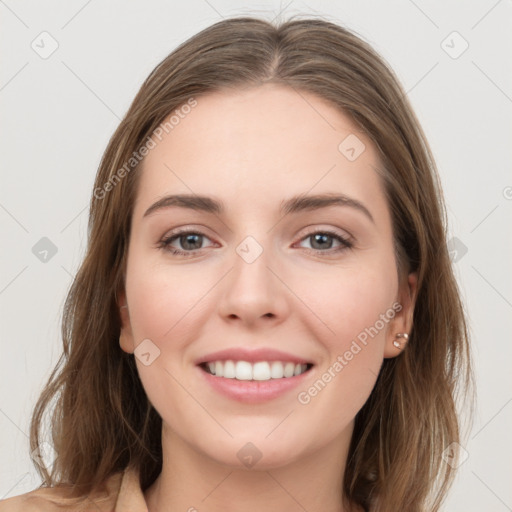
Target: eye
[(190, 241), (322, 241)]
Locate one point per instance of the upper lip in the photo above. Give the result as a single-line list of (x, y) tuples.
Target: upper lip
[(252, 355)]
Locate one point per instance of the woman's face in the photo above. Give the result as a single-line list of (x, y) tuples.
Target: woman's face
[(268, 278)]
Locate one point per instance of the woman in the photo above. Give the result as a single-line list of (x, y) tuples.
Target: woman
[(266, 316)]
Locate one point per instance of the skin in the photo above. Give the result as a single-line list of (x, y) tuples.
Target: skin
[(252, 149)]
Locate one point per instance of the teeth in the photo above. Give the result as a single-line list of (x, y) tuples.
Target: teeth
[(229, 370), (276, 370), (261, 370), (289, 368), (243, 370)]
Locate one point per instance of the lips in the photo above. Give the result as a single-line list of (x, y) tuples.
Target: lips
[(252, 356), (253, 375), (257, 364)]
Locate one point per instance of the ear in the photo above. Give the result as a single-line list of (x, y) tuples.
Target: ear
[(126, 336), (403, 320)]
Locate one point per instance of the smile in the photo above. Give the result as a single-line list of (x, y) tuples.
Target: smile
[(257, 371)]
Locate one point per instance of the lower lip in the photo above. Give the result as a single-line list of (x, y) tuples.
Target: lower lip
[(253, 391)]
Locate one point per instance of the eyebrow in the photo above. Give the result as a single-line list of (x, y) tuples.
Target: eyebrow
[(293, 205)]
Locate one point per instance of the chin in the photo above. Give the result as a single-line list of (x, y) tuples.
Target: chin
[(253, 451)]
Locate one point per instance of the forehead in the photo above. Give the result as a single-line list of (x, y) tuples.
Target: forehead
[(260, 144)]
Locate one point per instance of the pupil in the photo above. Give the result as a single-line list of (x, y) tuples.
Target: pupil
[(321, 238), (189, 239)]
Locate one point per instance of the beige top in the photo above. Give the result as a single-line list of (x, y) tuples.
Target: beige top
[(122, 493)]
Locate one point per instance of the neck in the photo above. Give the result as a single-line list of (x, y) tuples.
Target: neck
[(191, 481)]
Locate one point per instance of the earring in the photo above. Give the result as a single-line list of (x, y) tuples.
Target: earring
[(397, 343)]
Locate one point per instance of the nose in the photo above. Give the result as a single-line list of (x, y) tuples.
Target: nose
[(253, 292)]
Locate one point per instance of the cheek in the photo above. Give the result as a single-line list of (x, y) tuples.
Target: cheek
[(163, 298), (358, 310), (164, 304), (350, 302)]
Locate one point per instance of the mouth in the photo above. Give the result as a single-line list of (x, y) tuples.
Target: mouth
[(254, 375), (254, 371)]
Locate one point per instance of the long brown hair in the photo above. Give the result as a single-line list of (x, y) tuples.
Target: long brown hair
[(102, 420)]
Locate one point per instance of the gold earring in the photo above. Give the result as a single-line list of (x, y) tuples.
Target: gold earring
[(397, 343)]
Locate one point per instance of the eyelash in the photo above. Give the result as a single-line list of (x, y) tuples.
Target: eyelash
[(166, 241)]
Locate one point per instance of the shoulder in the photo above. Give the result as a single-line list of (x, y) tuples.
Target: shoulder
[(56, 499)]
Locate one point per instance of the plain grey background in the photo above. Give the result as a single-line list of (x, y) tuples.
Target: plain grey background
[(59, 110)]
